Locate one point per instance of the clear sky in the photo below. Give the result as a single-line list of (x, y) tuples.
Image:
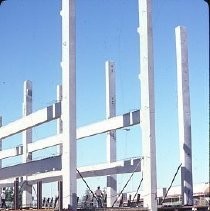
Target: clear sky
[(30, 48)]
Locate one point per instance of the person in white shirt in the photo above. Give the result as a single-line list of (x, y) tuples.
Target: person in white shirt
[(3, 198), (99, 195)]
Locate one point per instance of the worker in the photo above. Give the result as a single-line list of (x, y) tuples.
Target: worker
[(3, 198), (99, 195)]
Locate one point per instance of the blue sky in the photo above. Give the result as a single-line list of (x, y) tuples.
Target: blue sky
[(30, 48)]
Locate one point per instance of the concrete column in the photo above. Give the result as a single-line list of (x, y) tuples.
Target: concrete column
[(60, 195), (59, 121), (68, 116), (39, 194), (27, 138), (184, 115), (111, 136), (16, 194), (147, 112)]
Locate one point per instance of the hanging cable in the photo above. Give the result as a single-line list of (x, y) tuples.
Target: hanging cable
[(126, 183), (138, 189), (86, 183), (171, 184)]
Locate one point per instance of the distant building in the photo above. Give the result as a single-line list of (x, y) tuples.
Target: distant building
[(201, 195)]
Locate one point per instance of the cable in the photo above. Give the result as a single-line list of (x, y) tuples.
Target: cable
[(138, 189), (171, 183), (86, 183), (126, 183)]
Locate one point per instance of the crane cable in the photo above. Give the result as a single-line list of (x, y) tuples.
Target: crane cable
[(126, 183), (86, 183), (138, 189), (171, 183)]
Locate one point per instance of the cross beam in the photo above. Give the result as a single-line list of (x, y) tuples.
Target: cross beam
[(114, 123), (49, 170), (37, 118), (118, 122)]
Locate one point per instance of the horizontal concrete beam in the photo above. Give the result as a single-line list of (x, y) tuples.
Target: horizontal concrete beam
[(53, 112), (7, 153), (45, 143), (7, 182), (48, 169), (118, 167), (51, 176), (32, 167), (32, 147), (11, 152), (39, 117), (46, 177), (49, 164), (114, 123)]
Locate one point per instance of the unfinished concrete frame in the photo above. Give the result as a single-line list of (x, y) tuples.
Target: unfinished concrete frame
[(51, 169)]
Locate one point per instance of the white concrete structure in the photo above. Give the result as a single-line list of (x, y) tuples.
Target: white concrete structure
[(54, 112), (27, 139), (114, 123), (111, 135), (49, 170), (147, 111), (65, 111), (69, 156), (184, 115), (59, 121), (36, 118), (63, 166)]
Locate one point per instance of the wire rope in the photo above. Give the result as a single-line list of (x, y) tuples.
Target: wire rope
[(171, 183), (138, 189), (85, 183), (126, 183)]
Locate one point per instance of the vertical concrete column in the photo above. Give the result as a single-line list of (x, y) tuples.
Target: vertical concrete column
[(27, 138), (68, 116), (16, 194), (60, 195), (147, 112), (111, 136), (59, 121), (39, 194), (184, 115)]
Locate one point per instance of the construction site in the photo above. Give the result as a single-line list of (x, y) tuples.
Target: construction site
[(19, 181)]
